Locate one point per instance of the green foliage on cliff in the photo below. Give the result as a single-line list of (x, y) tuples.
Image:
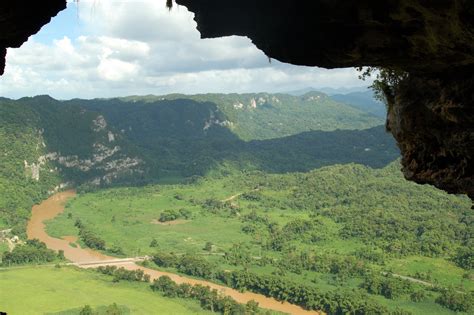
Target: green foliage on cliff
[(20, 142)]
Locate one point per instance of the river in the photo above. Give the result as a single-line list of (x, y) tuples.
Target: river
[(54, 205)]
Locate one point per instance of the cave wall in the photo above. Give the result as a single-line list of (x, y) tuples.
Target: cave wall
[(432, 119), (422, 35), (431, 111)]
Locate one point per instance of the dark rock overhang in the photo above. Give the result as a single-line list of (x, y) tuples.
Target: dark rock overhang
[(413, 35), (21, 19), (430, 111)]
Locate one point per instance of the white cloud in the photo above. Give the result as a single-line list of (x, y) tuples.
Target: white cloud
[(64, 45), (139, 47), (116, 70)]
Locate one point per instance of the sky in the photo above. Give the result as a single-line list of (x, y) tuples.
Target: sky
[(108, 48)]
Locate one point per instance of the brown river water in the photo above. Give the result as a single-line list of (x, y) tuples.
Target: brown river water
[(54, 205)]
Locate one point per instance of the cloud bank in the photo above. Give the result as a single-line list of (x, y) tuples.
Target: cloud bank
[(139, 47)]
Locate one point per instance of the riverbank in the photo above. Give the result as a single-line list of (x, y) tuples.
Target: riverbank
[(54, 205)]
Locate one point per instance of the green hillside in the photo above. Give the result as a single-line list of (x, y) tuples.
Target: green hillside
[(49, 144), (21, 144), (267, 116), (191, 136), (46, 146)]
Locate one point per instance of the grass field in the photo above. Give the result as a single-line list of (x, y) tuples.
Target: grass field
[(51, 290), (440, 271), (131, 211)]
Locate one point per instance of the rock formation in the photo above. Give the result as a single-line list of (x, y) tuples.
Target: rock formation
[(431, 111)]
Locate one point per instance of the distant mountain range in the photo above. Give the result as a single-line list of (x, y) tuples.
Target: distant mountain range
[(364, 101), (360, 98), (328, 90)]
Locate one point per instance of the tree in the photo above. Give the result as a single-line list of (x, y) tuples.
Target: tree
[(418, 296), (208, 247), (154, 243), (165, 285), (168, 215), (238, 255), (163, 259), (86, 310), (456, 301), (385, 83), (251, 307), (465, 257), (113, 309)]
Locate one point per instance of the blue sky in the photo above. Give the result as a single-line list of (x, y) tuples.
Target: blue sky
[(100, 48), (66, 23)]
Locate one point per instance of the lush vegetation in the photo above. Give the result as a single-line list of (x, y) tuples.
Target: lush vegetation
[(209, 299), (266, 116), (338, 226), (134, 141), (263, 204), (332, 302), (456, 301), (89, 238), (185, 136), (20, 141), (32, 252), (124, 274), (309, 296)]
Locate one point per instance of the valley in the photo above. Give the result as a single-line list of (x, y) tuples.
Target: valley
[(295, 202)]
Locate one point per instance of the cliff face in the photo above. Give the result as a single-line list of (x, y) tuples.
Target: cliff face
[(431, 114), (432, 119)]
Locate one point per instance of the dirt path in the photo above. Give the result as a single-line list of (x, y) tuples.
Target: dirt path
[(87, 258), (236, 195), (411, 279)]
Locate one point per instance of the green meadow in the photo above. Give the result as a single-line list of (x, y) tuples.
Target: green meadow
[(64, 290)]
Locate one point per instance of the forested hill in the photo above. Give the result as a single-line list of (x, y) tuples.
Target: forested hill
[(196, 133), (138, 140), (265, 116)]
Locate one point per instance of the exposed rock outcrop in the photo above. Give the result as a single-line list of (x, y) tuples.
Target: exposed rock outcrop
[(432, 119)]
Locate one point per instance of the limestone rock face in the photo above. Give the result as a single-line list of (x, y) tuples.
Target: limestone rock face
[(431, 113)]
